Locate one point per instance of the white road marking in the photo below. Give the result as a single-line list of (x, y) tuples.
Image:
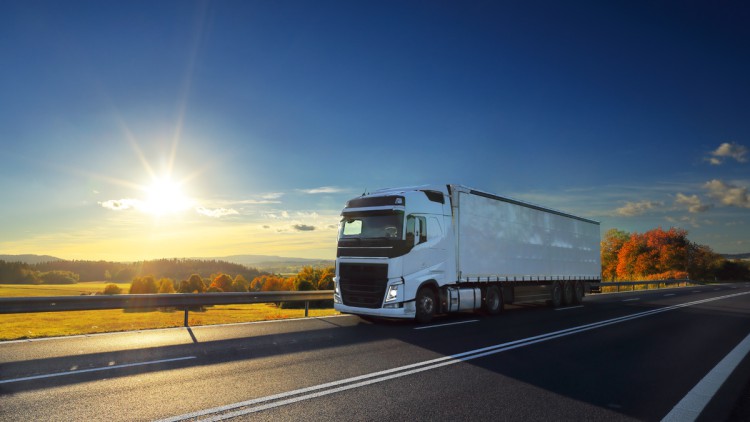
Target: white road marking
[(104, 368), (691, 406), (294, 396), (569, 307), (445, 325), (696, 291), (669, 294), (631, 300)]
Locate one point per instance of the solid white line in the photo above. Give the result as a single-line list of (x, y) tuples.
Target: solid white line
[(669, 294), (276, 400), (691, 406), (569, 307), (631, 300), (446, 324), (105, 368)]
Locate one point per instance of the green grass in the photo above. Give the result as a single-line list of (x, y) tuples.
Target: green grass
[(52, 324)]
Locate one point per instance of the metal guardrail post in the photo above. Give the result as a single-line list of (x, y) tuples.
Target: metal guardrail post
[(307, 307), (186, 317)]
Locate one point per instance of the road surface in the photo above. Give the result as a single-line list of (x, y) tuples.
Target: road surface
[(675, 353)]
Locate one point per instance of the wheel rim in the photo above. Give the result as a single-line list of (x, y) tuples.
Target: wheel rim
[(493, 300), (427, 304)]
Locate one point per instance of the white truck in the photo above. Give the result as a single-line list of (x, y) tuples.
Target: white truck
[(420, 251)]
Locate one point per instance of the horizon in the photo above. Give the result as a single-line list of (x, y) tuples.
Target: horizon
[(133, 131)]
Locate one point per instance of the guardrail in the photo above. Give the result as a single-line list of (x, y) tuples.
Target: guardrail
[(619, 284), (184, 301)]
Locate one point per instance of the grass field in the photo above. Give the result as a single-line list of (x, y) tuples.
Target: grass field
[(51, 324)]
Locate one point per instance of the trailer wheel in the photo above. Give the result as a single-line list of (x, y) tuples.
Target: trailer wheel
[(567, 293), (577, 292), (493, 301), (425, 305), (556, 294)]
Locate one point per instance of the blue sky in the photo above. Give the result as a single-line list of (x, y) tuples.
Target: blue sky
[(136, 130)]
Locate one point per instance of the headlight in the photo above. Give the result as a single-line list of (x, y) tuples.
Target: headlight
[(392, 293), (336, 293)]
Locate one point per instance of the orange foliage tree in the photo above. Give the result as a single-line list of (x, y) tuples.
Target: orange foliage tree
[(654, 255)]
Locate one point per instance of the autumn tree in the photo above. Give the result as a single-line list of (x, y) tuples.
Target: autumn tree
[(112, 289), (610, 249), (194, 284), (166, 285), (222, 282), (143, 285), (325, 282), (240, 284)]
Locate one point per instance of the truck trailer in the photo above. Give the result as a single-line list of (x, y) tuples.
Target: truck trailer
[(420, 251)]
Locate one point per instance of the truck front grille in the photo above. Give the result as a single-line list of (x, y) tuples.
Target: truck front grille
[(363, 285)]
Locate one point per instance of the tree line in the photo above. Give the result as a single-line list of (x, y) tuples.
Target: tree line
[(309, 278), (660, 255), (21, 273)]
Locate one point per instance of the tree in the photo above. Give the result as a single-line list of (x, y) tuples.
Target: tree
[(240, 284), (59, 277), (112, 289), (194, 284), (223, 282), (143, 285), (326, 279), (166, 285), (610, 250)]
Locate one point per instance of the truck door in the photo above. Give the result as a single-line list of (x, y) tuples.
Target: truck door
[(429, 250)]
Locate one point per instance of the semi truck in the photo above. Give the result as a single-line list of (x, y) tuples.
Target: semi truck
[(416, 252)]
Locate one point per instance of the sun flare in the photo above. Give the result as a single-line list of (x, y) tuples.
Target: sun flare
[(164, 196)]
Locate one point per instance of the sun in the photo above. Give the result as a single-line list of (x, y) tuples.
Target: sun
[(165, 196)]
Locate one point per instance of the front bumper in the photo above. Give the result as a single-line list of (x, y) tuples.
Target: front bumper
[(407, 312)]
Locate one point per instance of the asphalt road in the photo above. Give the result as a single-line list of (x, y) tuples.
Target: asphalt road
[(628, 356)]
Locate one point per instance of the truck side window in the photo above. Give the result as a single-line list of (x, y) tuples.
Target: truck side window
[(416, 225)]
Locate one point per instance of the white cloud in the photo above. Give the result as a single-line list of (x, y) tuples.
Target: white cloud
[(692, 202), (728, 194), (272, 195), (216, 212), (631, 209), (122, 204), (323, 189), (728, 150)]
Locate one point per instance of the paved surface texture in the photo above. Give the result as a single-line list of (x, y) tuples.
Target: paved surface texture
[(627, 356)]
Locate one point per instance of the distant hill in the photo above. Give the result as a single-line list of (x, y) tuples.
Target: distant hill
[(29, 258), (264, 263), (274, 264), (736, 256)]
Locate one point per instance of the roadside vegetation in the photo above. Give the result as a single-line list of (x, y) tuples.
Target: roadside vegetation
[(48, 324), (654, 255)]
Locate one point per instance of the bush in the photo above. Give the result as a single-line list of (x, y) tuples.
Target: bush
[(112, 289)]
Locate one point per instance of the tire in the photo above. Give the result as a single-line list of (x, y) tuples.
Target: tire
[(426, 305), (556, 294), (578, 293), (567, 293), (492, 303)]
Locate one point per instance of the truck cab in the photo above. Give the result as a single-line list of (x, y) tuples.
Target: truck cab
[(391, 244)]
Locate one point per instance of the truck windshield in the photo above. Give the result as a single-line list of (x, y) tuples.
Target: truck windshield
[(373, 225)]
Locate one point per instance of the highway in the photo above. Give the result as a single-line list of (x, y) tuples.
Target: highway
[(645, 355)]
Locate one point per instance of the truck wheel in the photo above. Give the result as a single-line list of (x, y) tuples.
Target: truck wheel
[(556, 294), (577, 293), (493, 301), (567, 293), (425, 305)]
